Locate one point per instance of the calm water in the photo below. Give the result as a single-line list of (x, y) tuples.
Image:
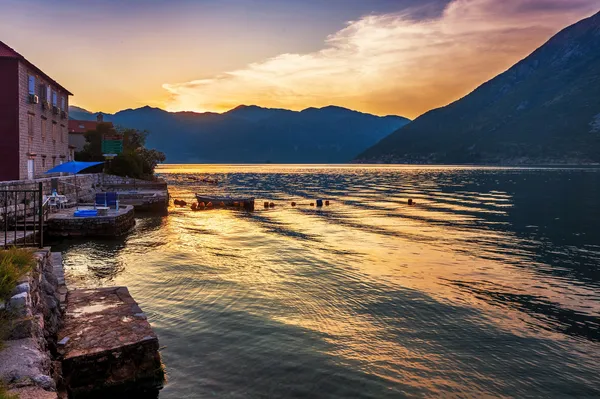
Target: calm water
[(489, 286)]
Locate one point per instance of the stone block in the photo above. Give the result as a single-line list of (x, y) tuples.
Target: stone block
[(24, 364), (21, 288), (20, 304), (109, 346)]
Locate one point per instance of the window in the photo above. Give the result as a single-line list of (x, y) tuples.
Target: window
[(44, 129), (62, 136), (54, 131), (31, 84), (62, 103), (53, 161), (48, 94), (54, 98), (30, 124), (43, 162)]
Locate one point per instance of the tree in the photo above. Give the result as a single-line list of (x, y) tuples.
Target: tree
[(135, 160)]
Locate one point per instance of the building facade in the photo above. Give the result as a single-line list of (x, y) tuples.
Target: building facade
[(33, 119)]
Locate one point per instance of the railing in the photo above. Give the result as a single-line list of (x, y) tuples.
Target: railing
[(23, 215)]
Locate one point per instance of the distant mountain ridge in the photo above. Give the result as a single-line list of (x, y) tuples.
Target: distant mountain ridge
[(250, 133), (543, 110)]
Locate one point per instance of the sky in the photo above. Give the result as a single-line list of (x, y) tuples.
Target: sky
[(401, 57)]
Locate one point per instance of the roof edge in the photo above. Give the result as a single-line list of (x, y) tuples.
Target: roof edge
[(21, 58)]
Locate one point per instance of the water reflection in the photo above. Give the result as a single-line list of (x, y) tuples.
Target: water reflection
[(488, 286)]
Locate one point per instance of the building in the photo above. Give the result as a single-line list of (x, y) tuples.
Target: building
[(33, 118), (77, 130)]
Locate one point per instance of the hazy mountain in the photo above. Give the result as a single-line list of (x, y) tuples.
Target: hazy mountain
[(79, 114), (545, 109), (256, 134)]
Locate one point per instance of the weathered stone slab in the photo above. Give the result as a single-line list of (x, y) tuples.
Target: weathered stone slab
[(24, 364), (111, 348)]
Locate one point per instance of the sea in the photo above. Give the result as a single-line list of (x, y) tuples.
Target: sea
[(487, 286)]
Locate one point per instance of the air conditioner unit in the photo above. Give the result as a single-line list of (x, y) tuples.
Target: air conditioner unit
[(33, 99), (45, 104), (63, 114), (55, 110)]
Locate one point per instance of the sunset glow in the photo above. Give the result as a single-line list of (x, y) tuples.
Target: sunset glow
[(201, 57)]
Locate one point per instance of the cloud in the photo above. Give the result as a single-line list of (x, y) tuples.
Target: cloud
[(391, 63)]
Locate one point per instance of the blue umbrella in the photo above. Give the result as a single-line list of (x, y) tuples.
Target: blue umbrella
[(73, 167)]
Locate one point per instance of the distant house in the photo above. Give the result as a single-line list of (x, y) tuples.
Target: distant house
[(77, 130), (33, 118)]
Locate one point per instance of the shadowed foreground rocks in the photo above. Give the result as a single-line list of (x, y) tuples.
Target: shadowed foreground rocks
[(108, 346)]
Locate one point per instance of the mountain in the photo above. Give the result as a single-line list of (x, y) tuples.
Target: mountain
[(80, 114), (255, 134), (543, 110)]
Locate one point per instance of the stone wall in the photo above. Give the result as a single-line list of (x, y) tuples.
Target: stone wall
[(36, 310), (83, 187), (110, 182), (98, 226), (66, 186)]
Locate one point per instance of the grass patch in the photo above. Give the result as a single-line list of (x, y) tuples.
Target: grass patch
[(14, 264), (6, 395)]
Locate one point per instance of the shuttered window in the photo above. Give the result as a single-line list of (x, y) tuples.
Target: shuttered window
[(30, 124), (31, 84)]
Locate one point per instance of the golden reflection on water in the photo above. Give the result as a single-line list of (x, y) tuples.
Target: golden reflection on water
[(400, 292)]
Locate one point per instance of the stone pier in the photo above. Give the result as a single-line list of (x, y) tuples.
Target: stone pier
[(108, 346), (115, 223)]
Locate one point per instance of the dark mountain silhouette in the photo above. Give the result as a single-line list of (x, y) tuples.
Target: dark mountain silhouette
[(545, 109), (256, 134)]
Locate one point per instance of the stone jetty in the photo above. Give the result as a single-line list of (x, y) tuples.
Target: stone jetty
[(63, 223), (108, 346)]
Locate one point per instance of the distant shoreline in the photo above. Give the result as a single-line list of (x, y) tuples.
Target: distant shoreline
[(523, 166)]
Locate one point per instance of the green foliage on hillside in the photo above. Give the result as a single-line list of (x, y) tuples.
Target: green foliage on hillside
[(135, 161), (542, 110)]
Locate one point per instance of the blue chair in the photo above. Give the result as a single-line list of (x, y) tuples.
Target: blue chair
[(100, 199), (112, 199)]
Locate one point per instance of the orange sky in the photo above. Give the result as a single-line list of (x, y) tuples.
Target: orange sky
[(200, 56)]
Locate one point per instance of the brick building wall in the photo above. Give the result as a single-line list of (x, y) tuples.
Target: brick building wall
[(43, 134)]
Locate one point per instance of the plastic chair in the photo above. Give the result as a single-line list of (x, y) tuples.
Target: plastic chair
[(100, 199), (112, 199)]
